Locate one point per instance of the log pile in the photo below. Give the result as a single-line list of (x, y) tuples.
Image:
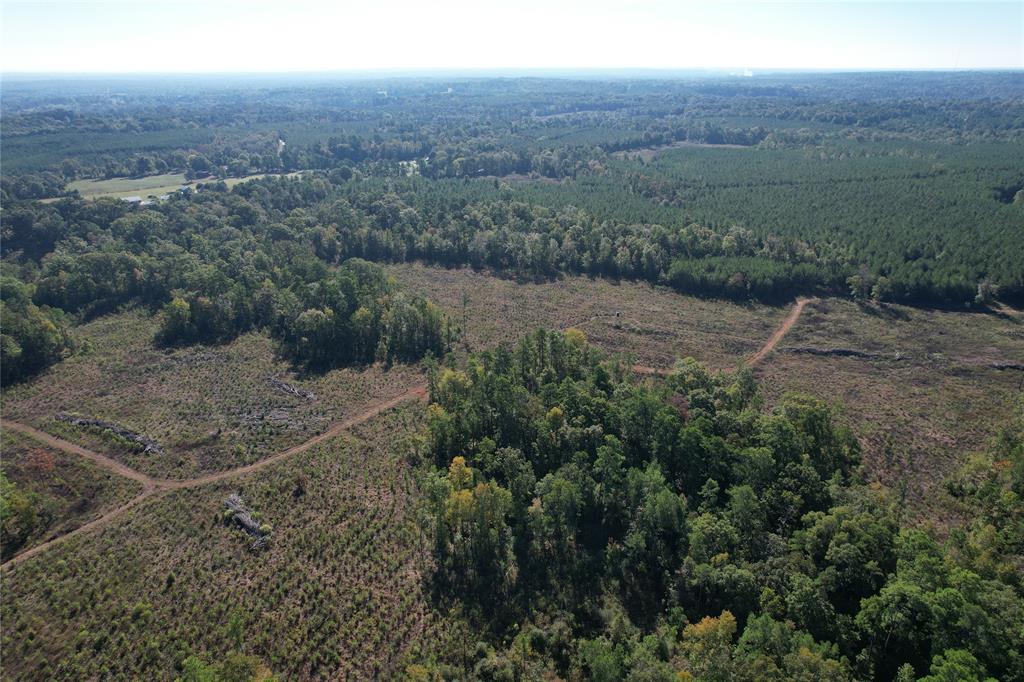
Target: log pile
[(149, 446), (291, 390), (840, 353), (242, 516)]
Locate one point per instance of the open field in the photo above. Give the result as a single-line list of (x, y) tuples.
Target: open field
[(69, 491), (208, 409), (151, 185), (127, 187), (653, 324), (924, 395), (212, 409), (648, 154), (338, 590)]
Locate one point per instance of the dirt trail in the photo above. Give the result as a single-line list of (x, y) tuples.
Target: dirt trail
[(152, 487), (418, 392), (84, 528), (787, 323), (157, 486), (780, 332), (102, 460)]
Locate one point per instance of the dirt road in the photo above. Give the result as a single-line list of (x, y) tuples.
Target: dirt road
[(102, 460), (787, 323), (152, 487), (780, 332)]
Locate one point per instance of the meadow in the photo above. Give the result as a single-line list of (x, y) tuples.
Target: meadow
[(125, 187), (150, 185)]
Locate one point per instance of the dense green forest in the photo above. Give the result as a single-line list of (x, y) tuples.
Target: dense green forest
[(584, 520), (260, 254), (215, 267)]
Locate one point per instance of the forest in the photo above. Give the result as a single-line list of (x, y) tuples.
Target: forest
[(583, 519), (880, 186), (332, 268)]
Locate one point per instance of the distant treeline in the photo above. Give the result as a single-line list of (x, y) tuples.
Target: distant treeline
[(478, 127), (263, 255)]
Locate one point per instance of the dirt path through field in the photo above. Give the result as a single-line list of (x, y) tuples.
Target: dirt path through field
[(152, 487), (84, 528), (787, 323), (106, 462), (418, 392), (780, 332)]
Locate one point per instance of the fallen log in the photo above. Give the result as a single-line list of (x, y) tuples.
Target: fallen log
[(242, 516), (149, 445)]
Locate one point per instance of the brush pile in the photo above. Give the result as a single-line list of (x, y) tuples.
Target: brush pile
[(148, 445)]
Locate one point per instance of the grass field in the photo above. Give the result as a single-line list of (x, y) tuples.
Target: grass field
[(231, 182), (149, 185), (70, 491), (126, 187), (208, 408), (338, 592)]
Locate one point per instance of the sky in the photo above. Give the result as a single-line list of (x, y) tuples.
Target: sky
[(83, 36)]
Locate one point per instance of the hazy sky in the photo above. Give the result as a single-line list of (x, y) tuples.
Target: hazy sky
[(302, 35)]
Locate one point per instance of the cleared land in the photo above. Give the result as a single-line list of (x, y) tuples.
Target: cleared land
[(921, 388), (127, 187), (209, 409), (70, 491), (338, 591), (149, 185), (653, 324)]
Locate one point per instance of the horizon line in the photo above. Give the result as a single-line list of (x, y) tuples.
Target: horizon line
[(740, 71)]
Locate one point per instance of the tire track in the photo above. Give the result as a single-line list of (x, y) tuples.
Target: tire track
[(155, 487)]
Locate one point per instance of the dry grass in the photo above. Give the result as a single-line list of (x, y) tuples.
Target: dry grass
[(654, 324), (919, 415)]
